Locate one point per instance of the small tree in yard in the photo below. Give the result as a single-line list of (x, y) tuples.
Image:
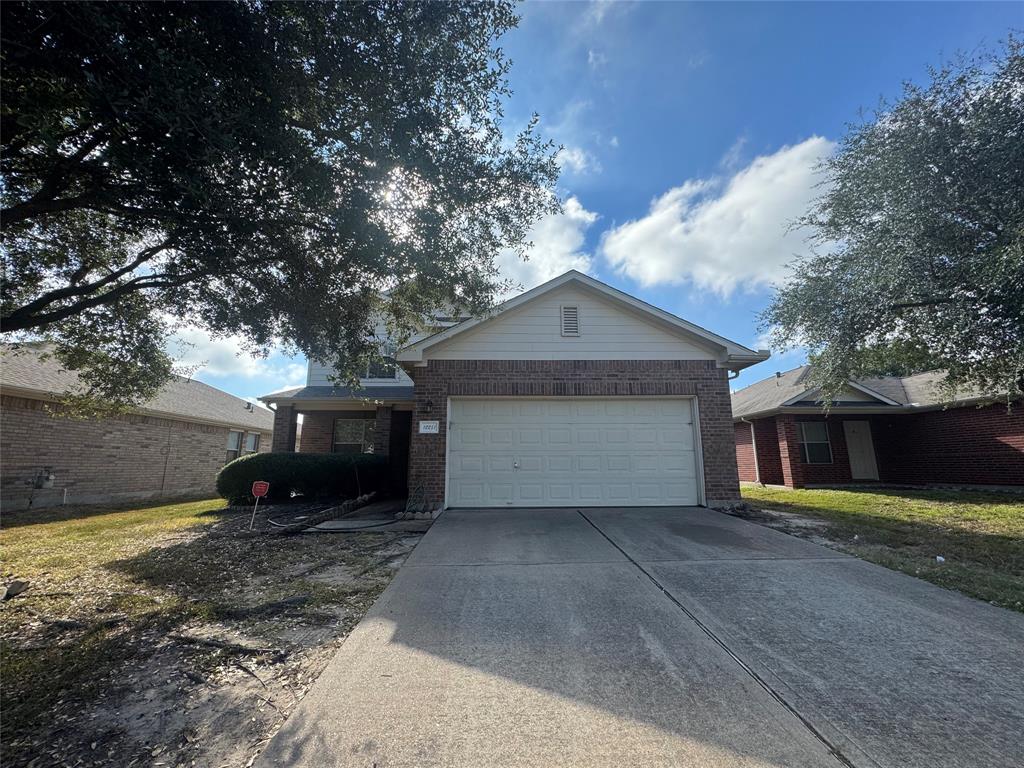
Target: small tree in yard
[(920, 237), (280, 171)]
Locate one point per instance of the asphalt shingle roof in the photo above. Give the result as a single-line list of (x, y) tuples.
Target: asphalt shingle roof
[(188, 399), (386, 392), (920, 390)]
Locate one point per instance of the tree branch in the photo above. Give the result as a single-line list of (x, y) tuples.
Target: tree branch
[(14, 320)]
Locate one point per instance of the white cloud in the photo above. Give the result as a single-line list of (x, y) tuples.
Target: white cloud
[(596, 59), (557, 247), (614, 141), (194, 347), (596, 11), (196, 351), (723, 233), (578, 160)]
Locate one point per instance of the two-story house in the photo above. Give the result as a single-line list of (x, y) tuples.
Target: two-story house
[(570, 394)]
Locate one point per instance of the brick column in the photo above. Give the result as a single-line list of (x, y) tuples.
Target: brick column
[(285, 423), (789, 452), (382, 431)]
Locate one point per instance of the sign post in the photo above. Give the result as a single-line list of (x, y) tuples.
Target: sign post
[(259, 490)]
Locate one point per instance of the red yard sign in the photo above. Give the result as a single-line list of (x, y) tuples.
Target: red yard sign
[(260, 488)]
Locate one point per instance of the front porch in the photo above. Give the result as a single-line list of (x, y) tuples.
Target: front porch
[(338, 420)]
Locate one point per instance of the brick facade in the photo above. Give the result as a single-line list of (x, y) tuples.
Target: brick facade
[(317, 432), (129, 456), (982, 446), (285, 429), (746, 465), (318, 429), (967, 446), (442, 379)]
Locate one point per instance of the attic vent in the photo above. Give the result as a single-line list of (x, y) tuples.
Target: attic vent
[(570, 321)]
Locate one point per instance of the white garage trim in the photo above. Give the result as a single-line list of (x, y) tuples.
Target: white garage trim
[(698, 457)]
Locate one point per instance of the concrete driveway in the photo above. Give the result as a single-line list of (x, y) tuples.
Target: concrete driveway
[(667, 637)]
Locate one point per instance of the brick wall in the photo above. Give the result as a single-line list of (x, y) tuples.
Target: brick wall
[(317, 432), (442, 379), (285, 429), (969, 446), (130, 456), (745, 464), (769, 462), (318, 429), (983, 446)]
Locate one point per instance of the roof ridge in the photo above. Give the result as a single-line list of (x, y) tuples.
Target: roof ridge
[(776, 375)]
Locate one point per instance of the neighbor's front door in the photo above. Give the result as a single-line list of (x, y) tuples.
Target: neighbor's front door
[(862, 451)]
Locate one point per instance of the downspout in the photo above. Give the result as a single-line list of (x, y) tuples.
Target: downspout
[(753, 444)]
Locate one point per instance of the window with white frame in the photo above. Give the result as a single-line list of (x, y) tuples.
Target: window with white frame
[(814, 445), (353, 435), (252, 442), (234, 445), (385, 367)]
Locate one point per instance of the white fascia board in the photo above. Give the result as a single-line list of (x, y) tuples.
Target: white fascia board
[(852, 385), (735, 355)]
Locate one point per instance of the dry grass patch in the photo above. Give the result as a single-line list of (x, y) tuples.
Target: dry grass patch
[(170, 634)]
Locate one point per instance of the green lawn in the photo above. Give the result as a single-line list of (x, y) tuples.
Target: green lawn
[(980, 534)]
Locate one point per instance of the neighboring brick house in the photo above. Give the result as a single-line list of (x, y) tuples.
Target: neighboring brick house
[(571, 394), (883, 430), (172, 446)]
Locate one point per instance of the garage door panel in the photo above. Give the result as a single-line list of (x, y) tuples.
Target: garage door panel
[(561, 463), (621, 452)]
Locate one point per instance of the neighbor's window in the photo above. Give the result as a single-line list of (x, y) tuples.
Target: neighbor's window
[(252, 442), (814, 445), (234, 445), (353, 435)]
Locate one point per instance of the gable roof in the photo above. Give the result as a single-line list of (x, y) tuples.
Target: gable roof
[(25, 372), (790, 390), (733, 355)]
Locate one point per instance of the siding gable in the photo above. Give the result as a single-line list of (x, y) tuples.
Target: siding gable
[(607, 331), (847, 395)]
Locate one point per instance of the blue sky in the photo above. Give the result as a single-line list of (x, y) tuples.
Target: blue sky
[(691, 132)]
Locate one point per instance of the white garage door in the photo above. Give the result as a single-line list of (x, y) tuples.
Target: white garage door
[(571, 452)]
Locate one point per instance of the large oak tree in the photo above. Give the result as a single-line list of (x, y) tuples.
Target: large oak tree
[(920, 235), (279, 171)]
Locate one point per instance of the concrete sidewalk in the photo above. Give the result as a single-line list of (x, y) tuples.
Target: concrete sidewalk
[(546, 637)]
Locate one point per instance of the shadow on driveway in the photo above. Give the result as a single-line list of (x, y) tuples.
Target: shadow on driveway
[(542, 637)]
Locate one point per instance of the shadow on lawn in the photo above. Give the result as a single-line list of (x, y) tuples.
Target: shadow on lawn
[(899, 531), (71, 512)]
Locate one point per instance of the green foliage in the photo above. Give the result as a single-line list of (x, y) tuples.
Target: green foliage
[(920, 237), (893, 358), (279, 171), (314, 475)]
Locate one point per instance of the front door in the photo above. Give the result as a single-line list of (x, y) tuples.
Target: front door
[(862, 451)]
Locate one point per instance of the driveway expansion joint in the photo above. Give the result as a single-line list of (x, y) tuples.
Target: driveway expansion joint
[(771, 691)]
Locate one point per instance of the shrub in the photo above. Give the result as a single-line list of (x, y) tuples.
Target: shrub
[(313, 475)]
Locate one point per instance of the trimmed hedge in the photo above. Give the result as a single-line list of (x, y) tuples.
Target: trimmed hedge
[(313, 475)]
